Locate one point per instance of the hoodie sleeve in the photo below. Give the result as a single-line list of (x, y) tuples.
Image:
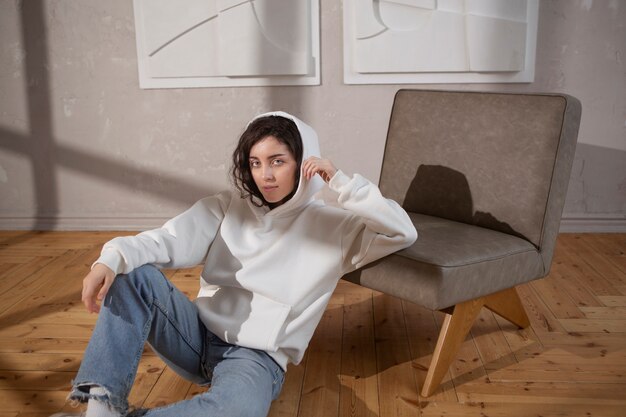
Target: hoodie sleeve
[(181, 242), (378, 226)]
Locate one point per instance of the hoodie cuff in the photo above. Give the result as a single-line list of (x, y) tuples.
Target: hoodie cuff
[(338, 181), (111, 258)]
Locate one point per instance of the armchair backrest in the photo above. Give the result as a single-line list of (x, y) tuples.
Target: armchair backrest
[(495, 160)]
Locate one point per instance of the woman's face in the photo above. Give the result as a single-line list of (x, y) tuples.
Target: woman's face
[(273, 169)]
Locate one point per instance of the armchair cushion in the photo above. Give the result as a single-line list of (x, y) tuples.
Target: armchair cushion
[(452, 262)]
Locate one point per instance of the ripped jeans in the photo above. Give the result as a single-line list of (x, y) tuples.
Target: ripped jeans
[(144, 306)]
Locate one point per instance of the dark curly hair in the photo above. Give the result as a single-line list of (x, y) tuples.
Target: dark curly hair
[(283, 129)]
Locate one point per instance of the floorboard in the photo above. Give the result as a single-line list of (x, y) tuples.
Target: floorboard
[(370, 353)]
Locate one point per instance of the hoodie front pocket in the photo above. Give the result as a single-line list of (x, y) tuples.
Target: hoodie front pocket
[(243, 318)]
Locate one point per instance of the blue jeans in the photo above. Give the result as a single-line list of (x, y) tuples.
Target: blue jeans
[(144, 306)]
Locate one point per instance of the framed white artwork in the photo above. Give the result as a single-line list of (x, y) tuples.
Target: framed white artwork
[(226, 43), (439, 41)]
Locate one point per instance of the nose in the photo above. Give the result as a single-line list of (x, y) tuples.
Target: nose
[(267, 173)]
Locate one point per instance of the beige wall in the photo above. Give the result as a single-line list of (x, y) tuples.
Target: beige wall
[(82, 147)]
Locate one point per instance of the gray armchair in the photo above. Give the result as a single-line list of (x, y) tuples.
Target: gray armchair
[(483, 177)]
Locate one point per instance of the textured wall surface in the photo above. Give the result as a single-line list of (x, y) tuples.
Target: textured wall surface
[(81, 146)]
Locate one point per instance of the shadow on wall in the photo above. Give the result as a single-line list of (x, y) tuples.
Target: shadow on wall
[(46, 156), (598, 182)]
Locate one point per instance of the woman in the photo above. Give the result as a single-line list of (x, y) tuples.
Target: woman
[(273, 252)]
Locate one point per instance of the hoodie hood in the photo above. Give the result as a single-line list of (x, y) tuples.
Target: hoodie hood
[(306, 188)]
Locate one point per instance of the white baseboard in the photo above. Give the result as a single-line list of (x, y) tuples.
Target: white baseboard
[(584, 223), (81, 223), (569, 223)]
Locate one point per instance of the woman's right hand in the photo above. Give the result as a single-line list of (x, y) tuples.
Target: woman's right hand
[(96, 285)]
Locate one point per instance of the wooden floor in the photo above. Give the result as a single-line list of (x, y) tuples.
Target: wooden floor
[(368, 356)]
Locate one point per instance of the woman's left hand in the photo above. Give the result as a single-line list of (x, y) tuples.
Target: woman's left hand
[(314, 165)]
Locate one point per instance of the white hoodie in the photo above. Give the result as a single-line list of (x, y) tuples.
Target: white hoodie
[(269, 274)]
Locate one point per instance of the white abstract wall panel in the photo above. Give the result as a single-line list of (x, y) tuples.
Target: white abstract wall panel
[(214, 43), (439, 41)]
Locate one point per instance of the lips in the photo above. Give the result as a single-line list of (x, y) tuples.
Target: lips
[(268, 188)]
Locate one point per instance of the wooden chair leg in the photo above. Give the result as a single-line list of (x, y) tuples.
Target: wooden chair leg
[(455, 328), (457, 325), (508, 305)]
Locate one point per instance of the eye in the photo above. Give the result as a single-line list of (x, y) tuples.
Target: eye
[(254, 163), (278, 162)]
